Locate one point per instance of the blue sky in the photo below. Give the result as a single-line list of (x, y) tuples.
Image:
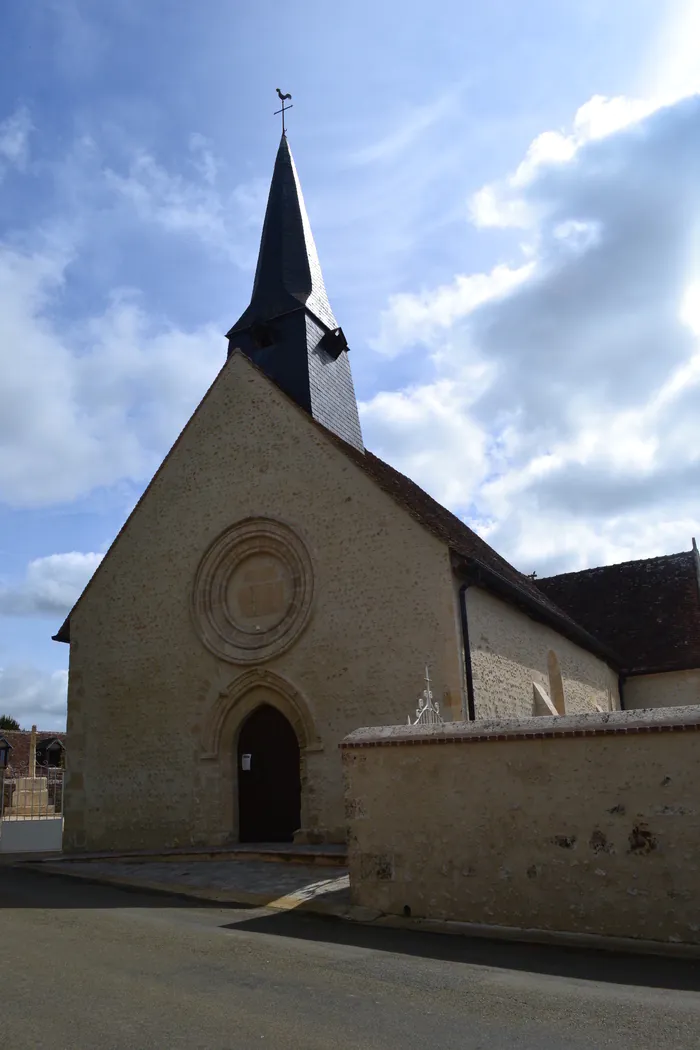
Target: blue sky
[(503, 198)]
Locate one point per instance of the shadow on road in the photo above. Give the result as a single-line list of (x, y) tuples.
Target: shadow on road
[(21, 888), (587, 965), (34, 888)]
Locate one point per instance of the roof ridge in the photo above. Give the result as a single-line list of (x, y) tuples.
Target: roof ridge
[(614, 565), (459, 523), (454, 532), (648, 609), (457, 536), (39, 732)]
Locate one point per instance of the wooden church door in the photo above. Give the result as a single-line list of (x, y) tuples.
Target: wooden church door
[(269, 781)]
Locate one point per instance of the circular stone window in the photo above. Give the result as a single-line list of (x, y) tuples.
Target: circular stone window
[(252, 592)]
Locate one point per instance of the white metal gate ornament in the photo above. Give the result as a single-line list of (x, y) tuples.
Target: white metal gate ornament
[(428, 710)]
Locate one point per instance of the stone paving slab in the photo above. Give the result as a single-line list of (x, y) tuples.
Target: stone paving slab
[(258, 883)]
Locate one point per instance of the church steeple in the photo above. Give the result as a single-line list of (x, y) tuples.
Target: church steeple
[(289, 329)]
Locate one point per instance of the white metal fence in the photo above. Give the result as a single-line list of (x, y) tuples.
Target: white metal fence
[(38, 797)]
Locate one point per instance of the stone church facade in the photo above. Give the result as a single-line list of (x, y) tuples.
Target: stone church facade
[(278, 587)]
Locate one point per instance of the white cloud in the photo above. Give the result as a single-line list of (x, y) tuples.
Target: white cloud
[(674, 70), (409, 425), (419, 318), (690, 306), (94, 396), (507, 203), (203, 157), (34, 697), (190, 206), (51, 585), (14, 139), (170, 200), (89, 404), (575, 369)]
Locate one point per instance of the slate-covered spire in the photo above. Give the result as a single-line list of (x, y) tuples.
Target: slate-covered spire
[(289, 329), (288, 274)]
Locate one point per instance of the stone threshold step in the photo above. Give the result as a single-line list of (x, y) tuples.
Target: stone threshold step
[(325, 856)]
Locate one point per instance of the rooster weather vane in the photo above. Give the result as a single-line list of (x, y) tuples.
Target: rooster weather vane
[(283, 99)]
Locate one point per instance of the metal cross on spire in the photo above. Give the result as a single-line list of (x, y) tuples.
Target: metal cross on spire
[(283, 99)]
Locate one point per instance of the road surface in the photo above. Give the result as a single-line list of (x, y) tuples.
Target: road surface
[(85, 967)]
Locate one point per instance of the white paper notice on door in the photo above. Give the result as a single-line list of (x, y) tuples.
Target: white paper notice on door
[(245, 762)]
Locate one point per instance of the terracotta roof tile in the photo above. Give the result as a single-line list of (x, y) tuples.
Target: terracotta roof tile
[(648, 611), (470, 547), (19, 740)]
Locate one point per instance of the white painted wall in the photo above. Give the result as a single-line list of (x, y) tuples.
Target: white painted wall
[(31, 835)]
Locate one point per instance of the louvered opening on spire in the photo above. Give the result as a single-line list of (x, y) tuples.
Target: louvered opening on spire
[(289, 329)]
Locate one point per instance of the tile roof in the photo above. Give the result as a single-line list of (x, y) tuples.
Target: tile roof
[(486, 566), (475, 558), (19, 740), (648, 611)]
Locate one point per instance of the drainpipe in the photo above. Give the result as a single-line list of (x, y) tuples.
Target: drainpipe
[(471, 710)]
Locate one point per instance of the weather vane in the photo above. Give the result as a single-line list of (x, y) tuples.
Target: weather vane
[(283, 99)]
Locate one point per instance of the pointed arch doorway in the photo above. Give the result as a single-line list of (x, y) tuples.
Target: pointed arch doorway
[(269, 779)]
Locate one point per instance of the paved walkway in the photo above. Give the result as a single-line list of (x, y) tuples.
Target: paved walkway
[(271, 884)]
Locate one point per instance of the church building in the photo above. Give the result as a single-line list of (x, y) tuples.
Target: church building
[(278, 586)]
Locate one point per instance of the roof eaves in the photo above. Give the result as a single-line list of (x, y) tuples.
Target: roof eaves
[(669, 575), (615, 568), (473, 571), (668, 668), (63, 632)]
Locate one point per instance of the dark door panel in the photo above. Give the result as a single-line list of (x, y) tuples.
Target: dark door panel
[(269, 783)]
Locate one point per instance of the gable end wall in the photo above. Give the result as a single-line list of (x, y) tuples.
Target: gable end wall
[(142, 686)]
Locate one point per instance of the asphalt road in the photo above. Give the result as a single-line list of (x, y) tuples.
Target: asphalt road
[(85, 967)]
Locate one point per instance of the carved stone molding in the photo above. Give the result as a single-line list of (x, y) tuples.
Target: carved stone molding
[(253, 591), (233, 705)]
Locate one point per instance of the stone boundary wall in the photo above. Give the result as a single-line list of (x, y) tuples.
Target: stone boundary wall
[(652, 720), (578, 824)]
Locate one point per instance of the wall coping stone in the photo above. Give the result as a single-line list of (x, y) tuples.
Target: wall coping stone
[(543, 727)]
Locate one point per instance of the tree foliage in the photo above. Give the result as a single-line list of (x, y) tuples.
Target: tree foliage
[(8, 722)]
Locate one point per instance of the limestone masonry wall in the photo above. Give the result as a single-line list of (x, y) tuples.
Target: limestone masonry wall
[(154, 715), (673, 689), (509, 653), (585, 824)]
